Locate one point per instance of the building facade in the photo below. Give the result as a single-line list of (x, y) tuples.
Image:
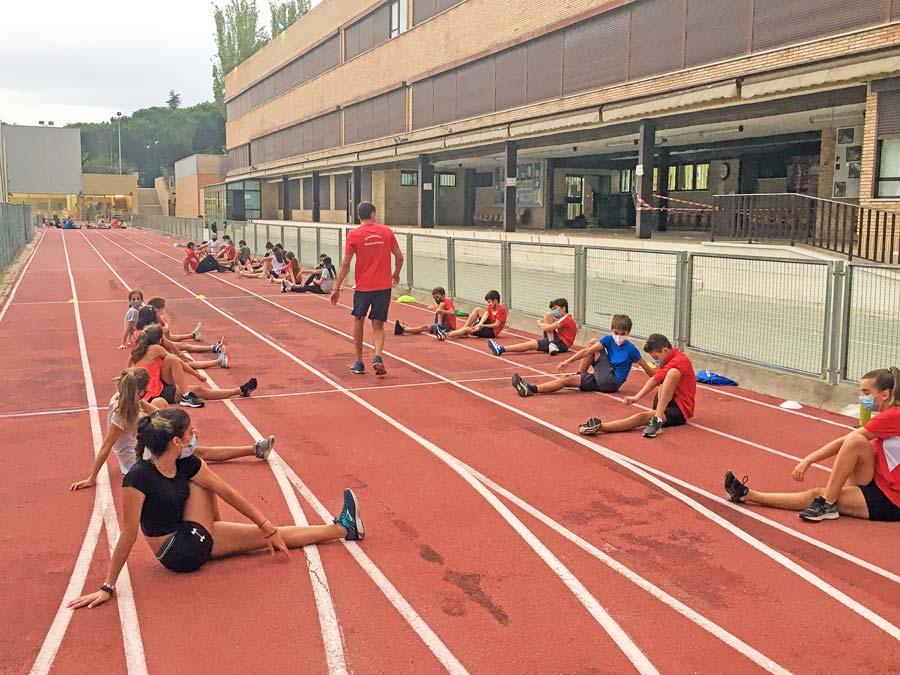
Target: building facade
[(551, 114), (192, 175)]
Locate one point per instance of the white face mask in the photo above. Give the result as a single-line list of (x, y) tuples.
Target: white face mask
[(619, 339), (190, 448)]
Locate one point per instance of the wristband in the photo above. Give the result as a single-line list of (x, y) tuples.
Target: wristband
[(272, 534), (106, 588)]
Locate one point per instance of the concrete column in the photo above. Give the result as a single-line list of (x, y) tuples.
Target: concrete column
[(355, 193), (285, 198), (316, 209), (645, 220), (663, 189), (509, 204), (469, 198), (426, 192)]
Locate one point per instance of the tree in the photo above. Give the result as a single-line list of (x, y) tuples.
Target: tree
[(238, 37), (286, 13), (174, 100)]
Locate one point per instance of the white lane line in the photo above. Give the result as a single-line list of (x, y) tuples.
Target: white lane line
[(413, 619), (15, 288), (103, 511), (808, 576), (634, 654)]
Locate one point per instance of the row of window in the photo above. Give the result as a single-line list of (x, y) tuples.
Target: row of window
[(411, 179), (682, 178)]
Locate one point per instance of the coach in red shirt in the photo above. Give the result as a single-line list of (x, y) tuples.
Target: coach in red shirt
[(372, 245)]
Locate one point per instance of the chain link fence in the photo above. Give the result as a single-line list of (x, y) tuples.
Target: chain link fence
[(828, 319), (16, 230)]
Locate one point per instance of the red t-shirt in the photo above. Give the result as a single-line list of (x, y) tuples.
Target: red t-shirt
[(372, 244), (229, 252), (193, 259), (496, 314), (886, 444), (448, 319), (567, 330), (686, 391)]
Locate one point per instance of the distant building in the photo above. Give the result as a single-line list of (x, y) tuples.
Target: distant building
[(192, 175)]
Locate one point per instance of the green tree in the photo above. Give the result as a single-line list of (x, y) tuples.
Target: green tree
[(238, 37), (174, 100), (285, 13)]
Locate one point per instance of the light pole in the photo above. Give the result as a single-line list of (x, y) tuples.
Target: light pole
[(119, 120), (154, 145)]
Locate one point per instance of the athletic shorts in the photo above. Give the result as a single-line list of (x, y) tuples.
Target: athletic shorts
[(485, 333), (880, 507), (595, 382), (674, 416), (544, 346), (167, 394), (208, 264), (373, 303), (187, 549)]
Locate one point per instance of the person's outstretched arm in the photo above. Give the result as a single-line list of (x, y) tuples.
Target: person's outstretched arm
[(342, 274), (398, 262), (113, 434)]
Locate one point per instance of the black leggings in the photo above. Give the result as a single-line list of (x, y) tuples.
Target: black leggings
[(311, 288)]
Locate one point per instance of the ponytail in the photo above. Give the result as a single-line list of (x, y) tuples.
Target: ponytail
[(132, 382), (156, 431), (146, 316), (149, 336)]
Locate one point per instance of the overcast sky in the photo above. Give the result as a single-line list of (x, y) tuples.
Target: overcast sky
[(83, 61)]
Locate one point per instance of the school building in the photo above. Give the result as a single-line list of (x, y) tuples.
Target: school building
[(547, 114)]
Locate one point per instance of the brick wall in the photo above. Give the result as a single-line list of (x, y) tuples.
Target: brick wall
[(826, 163)]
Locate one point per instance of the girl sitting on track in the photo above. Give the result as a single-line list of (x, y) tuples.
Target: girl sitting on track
[(865, 476), (172, 497), (126, 407), (168, 374), (273, 266), (322, 282), (135, 300), (149, 316)]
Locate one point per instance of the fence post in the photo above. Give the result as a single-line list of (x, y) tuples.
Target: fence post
[(318, 244), (409, 258), (683, 275), (340, 249), (506, 272), (844, 327), (580, 307), (451, 267), (833, 328)]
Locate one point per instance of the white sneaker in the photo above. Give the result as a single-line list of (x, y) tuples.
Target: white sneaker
[(552, 349), (223, 358), (197, 334)]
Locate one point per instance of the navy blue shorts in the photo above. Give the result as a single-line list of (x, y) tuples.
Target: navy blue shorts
[(187, 549), (879, 506), (375, 304)]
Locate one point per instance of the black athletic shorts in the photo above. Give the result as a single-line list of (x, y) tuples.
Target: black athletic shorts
[(880, 507), (208, 264), (674, 416), (603, 379), (167, 394), (544, 345), (485, 333), (373, 303), (187, 549)]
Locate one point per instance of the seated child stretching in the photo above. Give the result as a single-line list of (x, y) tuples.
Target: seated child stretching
[(559, 330), (487, 322), (135, 300), (321, 282), (672, 406), (610, 357), (444, 318)]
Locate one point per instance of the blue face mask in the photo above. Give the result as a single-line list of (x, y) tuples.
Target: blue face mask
[(556, 313), (659, 362), (868, 402), (190, 448)]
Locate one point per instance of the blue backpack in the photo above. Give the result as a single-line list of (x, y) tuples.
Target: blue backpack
[(709, 377)]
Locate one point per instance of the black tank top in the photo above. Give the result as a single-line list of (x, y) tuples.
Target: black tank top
[(164, 498)]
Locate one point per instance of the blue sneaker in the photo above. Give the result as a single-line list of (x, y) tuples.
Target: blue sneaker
[(349, 518), (496, 349), (378, 366), (440, 333), (358, 368)]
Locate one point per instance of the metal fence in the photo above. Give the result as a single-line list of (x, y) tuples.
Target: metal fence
[(16, 230), (831, 319)]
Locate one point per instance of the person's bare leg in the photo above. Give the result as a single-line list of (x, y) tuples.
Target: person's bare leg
[(465, 331), (378, 336), (208, 394), (527, 346), (666, 392), (202, 365), (180, 337), (192, 348), (791, 501), (359, 326), (627, 424), (559, 383), (855, 461), (173, 371), (218, 453), (416, 330), (159, 403), (234, 538)]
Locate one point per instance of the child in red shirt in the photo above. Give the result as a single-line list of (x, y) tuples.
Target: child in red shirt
[(444, 318), (673, 406), (484, 323), (865, 476), (559, 330)]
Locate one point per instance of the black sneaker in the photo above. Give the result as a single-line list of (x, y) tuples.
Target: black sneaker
[(591, 427), (654, 428), (521, 386), (735, 489), (248, 387), (398, 328), (350, 519), (819, 509), (378, 366), (190, 400)]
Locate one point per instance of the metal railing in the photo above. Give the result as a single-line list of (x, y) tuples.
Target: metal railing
[(847, 229), (16, 230), (824, 318)]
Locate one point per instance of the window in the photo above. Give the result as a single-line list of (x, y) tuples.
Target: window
[(701, 177), (398, 17), (574, 197), (888, 179), (484, 180), (409, 178), (626, 181), (447, 180)]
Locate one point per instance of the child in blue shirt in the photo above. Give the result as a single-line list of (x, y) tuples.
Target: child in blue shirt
[(610, 358)]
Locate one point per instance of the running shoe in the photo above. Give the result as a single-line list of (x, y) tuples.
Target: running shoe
[(217, 345), (378, 366), (552, 349), (496, 349), (521, 386), (440, 333), (590, 428), (819, 509), (358, 368), (398, 328), (190, 400), (197, 334), (223, 358), (263, 447), (735, 489), (284, 285), (654, 427), (350, 519), (248, 387)]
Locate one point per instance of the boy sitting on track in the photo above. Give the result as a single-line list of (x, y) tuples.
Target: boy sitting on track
[(559, 330), (444, 318), (672, 406), (610, 357), (487, 322)]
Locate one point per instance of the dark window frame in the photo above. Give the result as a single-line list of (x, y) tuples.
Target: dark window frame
[(879, 179), (411, 178)]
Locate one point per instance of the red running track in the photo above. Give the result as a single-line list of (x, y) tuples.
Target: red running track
[(498, 541)]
